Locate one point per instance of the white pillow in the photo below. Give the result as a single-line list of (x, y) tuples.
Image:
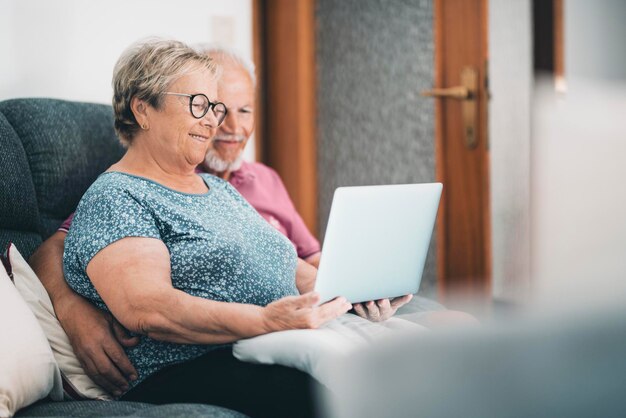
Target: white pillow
[(75, 381), (316, 351), (28, 371)]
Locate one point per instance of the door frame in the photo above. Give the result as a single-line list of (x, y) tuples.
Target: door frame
[(284, 45), (469, 273)]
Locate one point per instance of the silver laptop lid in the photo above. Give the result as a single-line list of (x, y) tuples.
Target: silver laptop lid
[(376, 241)]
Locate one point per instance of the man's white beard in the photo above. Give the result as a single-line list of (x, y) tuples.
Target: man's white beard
[(213, 162)]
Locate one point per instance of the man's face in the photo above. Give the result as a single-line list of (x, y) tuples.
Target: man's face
[(236, 91)]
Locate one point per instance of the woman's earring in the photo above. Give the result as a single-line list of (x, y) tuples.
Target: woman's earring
[(144, 126)]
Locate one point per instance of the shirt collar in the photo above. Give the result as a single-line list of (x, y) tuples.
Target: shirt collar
[(245, 172)]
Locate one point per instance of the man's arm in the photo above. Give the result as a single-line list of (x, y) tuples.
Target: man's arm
[(94, 334), (305, 276), (297, 231), (314, 259)]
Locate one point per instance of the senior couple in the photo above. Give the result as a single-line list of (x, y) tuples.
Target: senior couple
[(167, 261)]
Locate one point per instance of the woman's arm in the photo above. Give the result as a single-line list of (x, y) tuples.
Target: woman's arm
[(133, 278)]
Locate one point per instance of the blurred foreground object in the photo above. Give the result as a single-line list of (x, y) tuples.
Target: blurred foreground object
[(578, 207), (558, 368)]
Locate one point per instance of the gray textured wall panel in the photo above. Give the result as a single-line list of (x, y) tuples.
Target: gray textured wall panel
[(374, 57)]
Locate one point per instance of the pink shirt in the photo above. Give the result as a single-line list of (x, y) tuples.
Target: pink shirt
[(264, 190)]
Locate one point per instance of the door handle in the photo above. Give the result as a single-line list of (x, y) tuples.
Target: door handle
[(467, 93), (458, 92)]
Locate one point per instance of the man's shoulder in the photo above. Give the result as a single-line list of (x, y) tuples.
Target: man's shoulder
[(261, 173), (256, 167)]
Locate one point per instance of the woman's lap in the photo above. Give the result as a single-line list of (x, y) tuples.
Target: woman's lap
[(218, 378)]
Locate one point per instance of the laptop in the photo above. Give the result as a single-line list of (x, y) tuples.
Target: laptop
[(376, 241)]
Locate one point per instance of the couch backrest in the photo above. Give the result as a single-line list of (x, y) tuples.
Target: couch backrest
[(50, 152)]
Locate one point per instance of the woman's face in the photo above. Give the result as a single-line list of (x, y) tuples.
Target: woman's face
[(236, 91), (175, 135)]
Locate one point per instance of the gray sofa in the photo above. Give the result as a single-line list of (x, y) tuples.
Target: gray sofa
[(50, 152)]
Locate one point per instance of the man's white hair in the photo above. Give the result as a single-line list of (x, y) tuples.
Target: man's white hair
[(227, 56)]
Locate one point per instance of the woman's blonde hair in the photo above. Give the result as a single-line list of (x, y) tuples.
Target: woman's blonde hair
[(145, 70)]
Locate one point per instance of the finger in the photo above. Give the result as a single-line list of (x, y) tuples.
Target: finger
[(384, 307), (399, 301), (106, 369), (100, 380), (120, 362), (305, 301), (112, 374), (333, 309), (122, 335), (107, 385), (338, 298), (373, 313), (360, 310)]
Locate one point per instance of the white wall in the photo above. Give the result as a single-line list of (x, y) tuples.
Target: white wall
[(578, 171), (67, 48), (556, 159), (510, 84), (578, 194)]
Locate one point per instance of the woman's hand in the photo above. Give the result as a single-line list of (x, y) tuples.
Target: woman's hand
[(382, 309), (301, 312)]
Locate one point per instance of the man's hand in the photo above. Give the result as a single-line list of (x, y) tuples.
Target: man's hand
[(97, 339), (382, 309), (95, 335)]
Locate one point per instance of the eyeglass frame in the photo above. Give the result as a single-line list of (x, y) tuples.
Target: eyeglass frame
[(211, 105)]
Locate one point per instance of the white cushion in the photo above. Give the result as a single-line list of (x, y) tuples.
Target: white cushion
[(316, 351), (28, 371), (40, 304)]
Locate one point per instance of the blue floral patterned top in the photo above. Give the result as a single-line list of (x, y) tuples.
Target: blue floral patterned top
[(220, 249)]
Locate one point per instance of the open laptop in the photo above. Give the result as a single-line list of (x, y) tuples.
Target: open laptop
[(376, 241)]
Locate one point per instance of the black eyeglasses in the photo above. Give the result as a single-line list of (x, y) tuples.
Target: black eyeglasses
[(199, 105)]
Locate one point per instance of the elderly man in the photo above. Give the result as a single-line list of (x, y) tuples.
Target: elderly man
[(96, 337), (259, 184)]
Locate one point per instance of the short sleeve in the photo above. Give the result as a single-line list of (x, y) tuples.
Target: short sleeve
[(102, 218)]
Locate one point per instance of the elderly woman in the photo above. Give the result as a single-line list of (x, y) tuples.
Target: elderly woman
[(181, 258)]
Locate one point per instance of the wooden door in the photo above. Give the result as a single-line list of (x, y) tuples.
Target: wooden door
[(285, 52), (463, 229)]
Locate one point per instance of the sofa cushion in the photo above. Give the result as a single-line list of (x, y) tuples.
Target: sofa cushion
[(28, 371), (19, 216), (125, 409), (26, 241), (67, 145), (76, 384)]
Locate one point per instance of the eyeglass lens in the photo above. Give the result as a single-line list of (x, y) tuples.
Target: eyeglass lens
[(200, 105)]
